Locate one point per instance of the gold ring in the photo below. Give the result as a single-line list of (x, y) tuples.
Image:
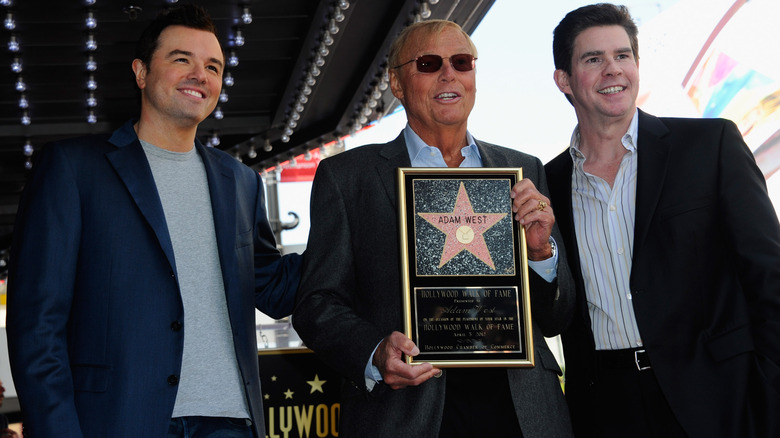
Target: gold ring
[(541, 206)]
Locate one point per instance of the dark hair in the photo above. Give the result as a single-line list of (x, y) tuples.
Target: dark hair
[(186, 15), (579, 20)]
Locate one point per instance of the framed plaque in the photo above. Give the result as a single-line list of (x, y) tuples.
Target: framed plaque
[(464, 268)]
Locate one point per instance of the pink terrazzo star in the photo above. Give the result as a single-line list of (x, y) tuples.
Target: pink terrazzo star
[(464, 228)]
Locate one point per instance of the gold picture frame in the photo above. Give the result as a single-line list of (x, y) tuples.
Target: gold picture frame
[(464, 268)]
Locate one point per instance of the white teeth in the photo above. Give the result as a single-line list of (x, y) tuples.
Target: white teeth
[(193, 93), (447, 96), (611, 90)]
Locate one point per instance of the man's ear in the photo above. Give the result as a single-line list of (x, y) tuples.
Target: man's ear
[(561, 79), (139, 69), (395, 85)]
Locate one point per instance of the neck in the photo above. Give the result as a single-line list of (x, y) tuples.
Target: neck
[(602, 138), (449, 141), (171, 137)]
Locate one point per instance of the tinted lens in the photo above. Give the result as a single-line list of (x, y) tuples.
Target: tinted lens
[(462, 62), (429, 63)]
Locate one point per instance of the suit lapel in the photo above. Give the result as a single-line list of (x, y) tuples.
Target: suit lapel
[(222, 190), (133, 169), (651, 174), (395, 155)]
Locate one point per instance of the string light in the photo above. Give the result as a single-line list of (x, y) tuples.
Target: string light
[(16, 65), (239, 38), (246, 16), (9, 22), (13, 44), (91, 22)]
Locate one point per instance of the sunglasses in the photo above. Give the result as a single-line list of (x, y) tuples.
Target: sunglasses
[(432, 63)]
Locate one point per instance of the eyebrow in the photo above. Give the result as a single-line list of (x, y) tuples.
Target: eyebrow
[(601, 52), (188, 53)]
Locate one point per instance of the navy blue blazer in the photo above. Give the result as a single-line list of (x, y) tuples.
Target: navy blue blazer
[(705, 279), (95, 315)]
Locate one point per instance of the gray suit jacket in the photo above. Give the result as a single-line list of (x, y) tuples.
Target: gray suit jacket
[(350, 298)]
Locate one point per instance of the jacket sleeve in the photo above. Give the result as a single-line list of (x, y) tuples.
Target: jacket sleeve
[(752, 223), (276, 278), (325, 315), (42, 271)]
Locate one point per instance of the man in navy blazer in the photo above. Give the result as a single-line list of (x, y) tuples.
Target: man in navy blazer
[(349, 307), (138, 259), (675, 249)]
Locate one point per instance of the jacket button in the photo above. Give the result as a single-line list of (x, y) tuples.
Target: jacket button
[(173, 379), (176, 326)]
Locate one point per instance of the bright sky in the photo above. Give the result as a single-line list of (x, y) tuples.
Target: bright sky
[(519, 106)]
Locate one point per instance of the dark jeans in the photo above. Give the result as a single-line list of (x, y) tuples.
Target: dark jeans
[(211, 427)]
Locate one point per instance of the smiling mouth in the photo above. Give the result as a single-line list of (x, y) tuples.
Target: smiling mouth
[(447, 96), (193, 93), (612, 90)]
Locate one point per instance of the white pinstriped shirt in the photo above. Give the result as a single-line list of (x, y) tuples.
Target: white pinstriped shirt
[(604, 226)]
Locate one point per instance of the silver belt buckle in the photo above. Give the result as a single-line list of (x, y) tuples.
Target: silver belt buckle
[(636, 360)]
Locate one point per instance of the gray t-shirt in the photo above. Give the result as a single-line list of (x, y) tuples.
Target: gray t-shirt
[(210, 383)]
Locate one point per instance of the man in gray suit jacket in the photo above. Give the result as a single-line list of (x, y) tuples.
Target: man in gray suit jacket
[(349, 308)]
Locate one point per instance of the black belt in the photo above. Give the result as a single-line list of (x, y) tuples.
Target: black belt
[(636, 358)]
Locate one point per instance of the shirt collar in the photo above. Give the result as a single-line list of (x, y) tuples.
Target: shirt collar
[(416, 146), (629, 140)]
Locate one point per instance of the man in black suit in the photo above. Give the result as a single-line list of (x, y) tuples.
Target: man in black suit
[(349, 307), (675, 249)]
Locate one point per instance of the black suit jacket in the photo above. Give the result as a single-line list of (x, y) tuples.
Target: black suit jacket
[(350, 298), (705, 279)]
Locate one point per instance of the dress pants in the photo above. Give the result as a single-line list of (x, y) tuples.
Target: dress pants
[(211, 427), (627, 400), (478, 403)]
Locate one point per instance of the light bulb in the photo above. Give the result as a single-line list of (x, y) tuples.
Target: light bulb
[(91, 21), (218, 114), (91, 118), (228, 79), (239, 38), (223, 96), (16, 65), (9, 22), (246, 16), (13, 44), (23, 103), (232, 59), (91, 43), (27, 149)]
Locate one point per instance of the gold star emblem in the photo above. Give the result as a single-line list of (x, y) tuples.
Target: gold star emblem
[(316, 384), (288, 394), (273, 378)]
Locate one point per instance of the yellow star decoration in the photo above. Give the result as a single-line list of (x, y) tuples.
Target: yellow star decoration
[(266, 396), (316, 384), (288, 394), (273, 378)]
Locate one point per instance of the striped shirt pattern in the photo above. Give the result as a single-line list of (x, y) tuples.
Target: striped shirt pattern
[(604, 226)]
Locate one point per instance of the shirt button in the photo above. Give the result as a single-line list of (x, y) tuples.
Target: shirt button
[(639, 343), (173, 379), (612, 208), (433, 153), (620, 251), (630, 297)]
